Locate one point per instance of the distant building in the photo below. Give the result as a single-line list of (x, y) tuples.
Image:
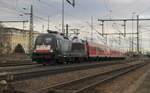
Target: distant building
[(14, 40)]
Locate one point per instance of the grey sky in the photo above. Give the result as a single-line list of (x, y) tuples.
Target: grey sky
[(80, 16)]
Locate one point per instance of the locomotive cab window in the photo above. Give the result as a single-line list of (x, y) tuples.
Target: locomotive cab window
[(47, 41), (43, 40), (38, 41)]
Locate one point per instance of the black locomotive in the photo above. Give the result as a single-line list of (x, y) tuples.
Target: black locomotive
[(54, 47)]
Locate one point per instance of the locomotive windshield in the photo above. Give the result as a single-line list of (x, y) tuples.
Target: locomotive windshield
[(43, 40)]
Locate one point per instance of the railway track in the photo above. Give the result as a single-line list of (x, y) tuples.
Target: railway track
[(33, 71), (21, 67), (27, 73), (17, 63), (87, 84), (8, 67), (11, 67), (27, 62)]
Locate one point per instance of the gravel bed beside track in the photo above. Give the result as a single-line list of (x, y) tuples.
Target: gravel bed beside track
[(37, 67), (17, 63), (24, 74), (14, 58), (121, 84), (34, 84), (20, 69), (15, 68), (144, 87)]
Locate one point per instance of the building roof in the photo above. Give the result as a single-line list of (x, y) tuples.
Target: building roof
[(8, 29)]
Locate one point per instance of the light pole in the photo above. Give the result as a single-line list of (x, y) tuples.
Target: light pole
[(133, 13), (31, 28), (63, 9), (48, 24), (138, 34), (63, 14), (91, 28)]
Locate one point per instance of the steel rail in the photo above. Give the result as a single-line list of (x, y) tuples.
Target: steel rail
[(21, 67), (24, 75), (91, 86), (82, 84), (16, 63)]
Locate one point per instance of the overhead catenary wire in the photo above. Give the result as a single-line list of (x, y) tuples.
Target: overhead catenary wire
[(18, 12)]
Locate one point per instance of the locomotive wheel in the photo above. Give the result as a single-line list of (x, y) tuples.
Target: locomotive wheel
[(44, 64), (60, 61), (39, 61)]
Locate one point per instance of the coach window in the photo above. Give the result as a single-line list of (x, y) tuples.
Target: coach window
[(105, 50), (100, 50), (93, 48)]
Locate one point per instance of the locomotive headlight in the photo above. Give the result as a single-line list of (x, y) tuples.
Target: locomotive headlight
[(51, 51), (34, 50)]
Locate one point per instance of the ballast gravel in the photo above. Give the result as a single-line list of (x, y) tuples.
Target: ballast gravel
[(43, 82), (121, 84)]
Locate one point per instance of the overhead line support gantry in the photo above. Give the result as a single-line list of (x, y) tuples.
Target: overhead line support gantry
[(124, 20)]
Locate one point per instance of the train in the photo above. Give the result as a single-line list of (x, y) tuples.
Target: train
[(54, 47)]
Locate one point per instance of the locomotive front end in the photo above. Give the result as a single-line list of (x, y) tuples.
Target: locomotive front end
[(44, 48)]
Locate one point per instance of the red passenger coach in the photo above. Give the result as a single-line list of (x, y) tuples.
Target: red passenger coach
[(116, 54), (97, 50)]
